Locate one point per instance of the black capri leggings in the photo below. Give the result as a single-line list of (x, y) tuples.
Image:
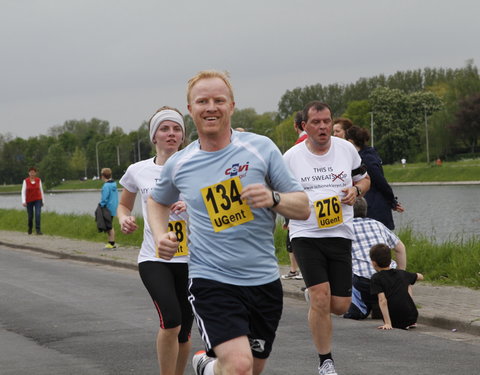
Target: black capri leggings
[(167, 284)]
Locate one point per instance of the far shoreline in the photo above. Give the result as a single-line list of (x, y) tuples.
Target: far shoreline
[(411, 183), (414, 183)]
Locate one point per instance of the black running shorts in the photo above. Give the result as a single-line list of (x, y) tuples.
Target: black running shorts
[(224, 312), (325, 260), (167, 284)]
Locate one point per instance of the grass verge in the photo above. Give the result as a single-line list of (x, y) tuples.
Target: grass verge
[(81, 227), (448, 263)]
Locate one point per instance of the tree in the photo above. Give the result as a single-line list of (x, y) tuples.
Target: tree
[(190, 129), (284, 135), (359, 111), (467, 124), (83, 130), (78, 163), (264, 124), (54, 166), (290, 102), (244, 118), (397, 121), (14, 165)]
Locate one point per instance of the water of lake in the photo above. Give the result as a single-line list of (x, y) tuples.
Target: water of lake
[(83, 202), (440, 212)]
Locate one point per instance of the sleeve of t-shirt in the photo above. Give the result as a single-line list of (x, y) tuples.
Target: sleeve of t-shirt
[(41, 190), (357, 162), (391, 238), (165, 191), (375, 285), (411, 277), (127, 181), (374, 170), (279, 174), (24, 192), (105, 196)]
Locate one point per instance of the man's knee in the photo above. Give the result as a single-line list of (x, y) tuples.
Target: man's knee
[(236, 363), (234, 356), (320, 298)]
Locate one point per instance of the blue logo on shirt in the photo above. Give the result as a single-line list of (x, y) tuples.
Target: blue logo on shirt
[(237, 169)]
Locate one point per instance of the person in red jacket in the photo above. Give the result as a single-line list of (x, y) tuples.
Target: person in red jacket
[(32, 198)]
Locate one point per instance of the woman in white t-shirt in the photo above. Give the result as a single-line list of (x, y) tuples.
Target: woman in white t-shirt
[(166, 281)]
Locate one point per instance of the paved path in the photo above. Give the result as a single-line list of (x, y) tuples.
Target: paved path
[(453, 308)]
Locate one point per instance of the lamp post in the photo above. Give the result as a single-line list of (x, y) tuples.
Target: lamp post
[(426, 132), (371, 127), (96, 153)]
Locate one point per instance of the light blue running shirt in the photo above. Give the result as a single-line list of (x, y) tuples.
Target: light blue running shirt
[(243, 254)]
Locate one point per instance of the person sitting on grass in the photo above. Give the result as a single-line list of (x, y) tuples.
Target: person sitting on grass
[(394, 289)]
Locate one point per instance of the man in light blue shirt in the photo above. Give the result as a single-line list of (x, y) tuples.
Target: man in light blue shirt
[(234, 184)]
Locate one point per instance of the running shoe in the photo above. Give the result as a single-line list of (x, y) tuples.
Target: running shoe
[(110, 246), (199, 361), (292, 275), (327, 368)]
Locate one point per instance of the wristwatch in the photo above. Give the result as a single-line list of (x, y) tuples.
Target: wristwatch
[(275, 198), (359, 191)]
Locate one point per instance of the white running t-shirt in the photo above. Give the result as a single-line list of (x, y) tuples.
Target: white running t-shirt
[(323, 177), (141, 178)]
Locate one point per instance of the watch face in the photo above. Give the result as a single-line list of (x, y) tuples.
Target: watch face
[(276, 198)]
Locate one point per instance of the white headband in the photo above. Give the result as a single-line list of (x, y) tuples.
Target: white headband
[(166, 114)]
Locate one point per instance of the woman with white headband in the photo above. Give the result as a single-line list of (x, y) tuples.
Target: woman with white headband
[(166, 281)]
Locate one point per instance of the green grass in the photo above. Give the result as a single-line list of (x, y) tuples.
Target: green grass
[(465, 170), (74, 184), (67, 185), (10, 188), (82, 227), (449, 263)]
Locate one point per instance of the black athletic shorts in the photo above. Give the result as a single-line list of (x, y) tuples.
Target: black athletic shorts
[(167, 284), (325, 260), (224, 312)]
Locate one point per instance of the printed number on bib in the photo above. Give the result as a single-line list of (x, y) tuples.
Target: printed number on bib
[(224, 206), (180, 230), (329, 212)]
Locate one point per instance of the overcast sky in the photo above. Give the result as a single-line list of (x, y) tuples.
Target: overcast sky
[(119, 60)]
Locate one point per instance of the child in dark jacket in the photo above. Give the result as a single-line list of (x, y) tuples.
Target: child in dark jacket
[(394, 290)]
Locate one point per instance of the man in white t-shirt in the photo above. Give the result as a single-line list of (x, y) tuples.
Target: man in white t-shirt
[(331, 172)]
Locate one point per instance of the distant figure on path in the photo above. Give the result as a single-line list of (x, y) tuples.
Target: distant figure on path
[(32, 198), (109, 199)]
